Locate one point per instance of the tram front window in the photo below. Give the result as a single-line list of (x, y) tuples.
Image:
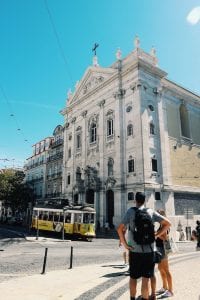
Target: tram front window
[(88, 218), (67, 218), (77, 218), (56, 218)]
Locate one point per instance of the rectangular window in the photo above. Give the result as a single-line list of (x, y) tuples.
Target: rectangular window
[(154, 165), (78, 141), (130, 196), (131, 165), (110, 127), (152, 129), (68, 179), (69, 153), (157, 196), (93, 133)]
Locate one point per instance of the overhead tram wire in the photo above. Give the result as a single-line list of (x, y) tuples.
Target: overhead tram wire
[(58, 40), (12, 114)]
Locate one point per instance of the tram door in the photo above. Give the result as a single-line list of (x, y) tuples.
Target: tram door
[(110, 207)]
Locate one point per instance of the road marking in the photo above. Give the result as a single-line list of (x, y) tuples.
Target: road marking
[(107, 292)]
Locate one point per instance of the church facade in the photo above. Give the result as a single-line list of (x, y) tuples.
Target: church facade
[(128, 128)]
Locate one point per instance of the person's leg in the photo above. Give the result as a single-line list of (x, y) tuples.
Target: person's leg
[(132, 286), (168, 275), (153, 287), (163, 275), (145, 288)]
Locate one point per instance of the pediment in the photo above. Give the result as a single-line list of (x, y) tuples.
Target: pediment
[(93, 77)]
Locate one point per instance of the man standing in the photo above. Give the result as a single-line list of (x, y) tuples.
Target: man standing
[(142, 240)]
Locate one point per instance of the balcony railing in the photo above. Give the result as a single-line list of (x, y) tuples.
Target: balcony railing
[(35, 179), (57, 143), (55, 156), (54, 175)]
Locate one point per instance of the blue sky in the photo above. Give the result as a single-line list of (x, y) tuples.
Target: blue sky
[(46, 47)]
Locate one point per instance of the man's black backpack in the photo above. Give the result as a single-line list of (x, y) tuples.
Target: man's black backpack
[(143, 233)]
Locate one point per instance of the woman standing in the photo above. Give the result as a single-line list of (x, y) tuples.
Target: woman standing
[(167, 288)]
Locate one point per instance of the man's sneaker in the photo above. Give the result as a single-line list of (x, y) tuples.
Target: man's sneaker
[(166, 294), (161, 291)]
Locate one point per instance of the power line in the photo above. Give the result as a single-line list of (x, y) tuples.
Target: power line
[(12, 114), (58, 40)]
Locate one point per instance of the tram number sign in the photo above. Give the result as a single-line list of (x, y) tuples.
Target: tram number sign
[(188, 212)]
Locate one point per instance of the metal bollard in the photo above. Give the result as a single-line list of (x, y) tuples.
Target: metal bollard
[(45, 260), (71, 258)]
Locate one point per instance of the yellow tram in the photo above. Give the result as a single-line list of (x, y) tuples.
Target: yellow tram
[(78, 221)]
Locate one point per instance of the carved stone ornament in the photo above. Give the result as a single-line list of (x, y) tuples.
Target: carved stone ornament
[(84, 113), (120, 93), (110, 182), (101, 103), (94, 81), (137, 42), (118, 54), (73, 120)]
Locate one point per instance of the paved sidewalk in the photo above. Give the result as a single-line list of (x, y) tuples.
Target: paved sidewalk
[(101, 282)]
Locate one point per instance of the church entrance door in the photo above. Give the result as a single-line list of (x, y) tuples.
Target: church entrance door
[(90, 196)]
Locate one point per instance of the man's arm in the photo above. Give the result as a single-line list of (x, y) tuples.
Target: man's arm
[(161, 233), (121, 232)]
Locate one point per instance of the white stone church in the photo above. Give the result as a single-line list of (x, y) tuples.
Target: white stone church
[(128, 128)]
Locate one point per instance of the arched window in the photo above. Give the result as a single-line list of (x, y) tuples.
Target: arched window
[(129, 130), (185, 128), (93, 133), (152, 128), (110, 166)]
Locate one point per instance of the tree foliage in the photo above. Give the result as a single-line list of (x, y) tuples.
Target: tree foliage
[(14, 192)]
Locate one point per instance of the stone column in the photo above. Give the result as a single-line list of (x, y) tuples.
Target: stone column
[(120, 135), (101, 194), (167, 197)]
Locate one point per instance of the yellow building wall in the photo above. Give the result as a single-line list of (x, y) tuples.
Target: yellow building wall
[(185, 164)]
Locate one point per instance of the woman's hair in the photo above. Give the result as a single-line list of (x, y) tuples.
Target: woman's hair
[(161, 212)]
